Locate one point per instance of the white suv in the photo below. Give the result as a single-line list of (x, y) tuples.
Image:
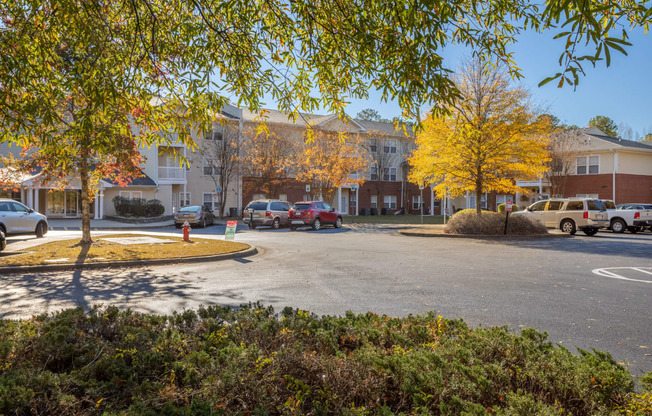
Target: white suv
[(569, 214)]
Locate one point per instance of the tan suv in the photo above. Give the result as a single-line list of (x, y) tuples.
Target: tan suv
[(569, 214), (272, 212)]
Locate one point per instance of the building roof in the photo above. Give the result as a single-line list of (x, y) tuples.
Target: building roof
[(278, 117), (607, 142), (384, 127), (138, 181)]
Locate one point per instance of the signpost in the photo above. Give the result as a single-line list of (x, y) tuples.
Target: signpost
[(508, 209), (421, 201), (230, 230)]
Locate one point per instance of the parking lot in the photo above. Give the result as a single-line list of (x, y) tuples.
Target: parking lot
[(584, 291)]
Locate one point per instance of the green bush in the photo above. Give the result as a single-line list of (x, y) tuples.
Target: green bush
[(138, 207), (501, 208), (491, 223), (224, 361)]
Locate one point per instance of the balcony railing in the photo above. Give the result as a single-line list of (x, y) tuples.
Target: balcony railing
[(171, 173)]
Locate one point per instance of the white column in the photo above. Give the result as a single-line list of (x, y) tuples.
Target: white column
[(36, 201), (541, 186), (357, 201), (339, 199), (101, 203), (30, 197), (432, 202), (96, 214)]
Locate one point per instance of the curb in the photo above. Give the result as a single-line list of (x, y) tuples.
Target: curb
[(127, 263), (485, 237)]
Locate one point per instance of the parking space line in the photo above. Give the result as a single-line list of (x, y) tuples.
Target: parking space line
[(606, 272)]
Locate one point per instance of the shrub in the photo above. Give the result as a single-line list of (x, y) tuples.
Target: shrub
[(501, 208), (138, 207), (491, 223), (221, 360)]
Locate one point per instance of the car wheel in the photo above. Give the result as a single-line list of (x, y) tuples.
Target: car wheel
[(618, 226), (4, 230), (338, 222), (40, 230), (590, 231), (276, 223), (316, 224), (203, 223), (3, 244), (568, 226)]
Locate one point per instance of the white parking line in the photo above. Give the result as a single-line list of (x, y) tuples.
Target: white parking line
[(607, 272)]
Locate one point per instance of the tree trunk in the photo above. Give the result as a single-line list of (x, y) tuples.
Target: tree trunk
[(478, 200), (84, 175)]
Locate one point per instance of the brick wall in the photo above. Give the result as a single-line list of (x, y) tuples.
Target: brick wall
[(629, 188)]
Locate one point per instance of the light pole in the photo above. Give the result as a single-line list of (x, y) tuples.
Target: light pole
[(421, 201)]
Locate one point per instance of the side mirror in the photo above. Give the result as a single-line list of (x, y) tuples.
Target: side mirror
[(29, 210), (332, 209)]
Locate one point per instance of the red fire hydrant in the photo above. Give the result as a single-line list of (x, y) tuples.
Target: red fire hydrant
[(186, 231)]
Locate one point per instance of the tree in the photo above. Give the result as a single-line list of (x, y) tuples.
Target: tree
[(81, 79), (563, 148), (605, 124), (220, 157), (266, 159), (491, 137), (328, 160), (369, 114)]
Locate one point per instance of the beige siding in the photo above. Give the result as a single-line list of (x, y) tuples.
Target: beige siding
[(635, 163)]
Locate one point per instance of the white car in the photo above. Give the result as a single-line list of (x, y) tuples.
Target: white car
[(569, 214), (16, 218)]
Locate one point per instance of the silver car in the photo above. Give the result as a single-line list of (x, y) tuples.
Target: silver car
[(198, 215), (272, 212), (16, 218)]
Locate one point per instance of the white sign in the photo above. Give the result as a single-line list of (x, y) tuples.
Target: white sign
[(307, 188), (508, 206)]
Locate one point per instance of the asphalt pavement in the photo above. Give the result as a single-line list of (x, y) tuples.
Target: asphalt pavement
[(589, 292)]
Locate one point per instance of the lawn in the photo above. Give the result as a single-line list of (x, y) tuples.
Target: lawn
[(393, 219), (103, 250)]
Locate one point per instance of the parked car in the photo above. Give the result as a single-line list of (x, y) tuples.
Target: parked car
[(272, 212), (628, 217), (314, 214), (16, 218), (3, 240), (645, 217), (569, 214), (199, 215)]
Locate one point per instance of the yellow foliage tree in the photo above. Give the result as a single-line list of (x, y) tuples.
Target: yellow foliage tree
[(327, 160), (490, 137)]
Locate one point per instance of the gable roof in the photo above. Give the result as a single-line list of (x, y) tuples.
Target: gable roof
[(138, 181), (384, 127), (607, 142), (278, 117)]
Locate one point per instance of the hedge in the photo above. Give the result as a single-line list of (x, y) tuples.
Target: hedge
[(138, 207), (253, 361)]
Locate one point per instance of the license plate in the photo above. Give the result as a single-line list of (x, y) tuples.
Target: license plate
[(297, 222)]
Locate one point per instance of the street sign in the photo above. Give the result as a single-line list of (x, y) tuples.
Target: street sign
[(422, 186), (353, 186), (307, 188), (218, 189), (508, 206), (230, 230)]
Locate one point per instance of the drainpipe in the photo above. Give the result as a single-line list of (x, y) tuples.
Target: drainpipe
[(613, 175)]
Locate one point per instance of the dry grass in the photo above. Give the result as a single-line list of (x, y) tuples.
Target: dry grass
[(69, 251), (491, 223)]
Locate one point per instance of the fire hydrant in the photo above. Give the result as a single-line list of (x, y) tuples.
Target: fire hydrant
[(186, 231)]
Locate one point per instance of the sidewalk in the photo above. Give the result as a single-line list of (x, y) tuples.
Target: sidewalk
[(74, 224)]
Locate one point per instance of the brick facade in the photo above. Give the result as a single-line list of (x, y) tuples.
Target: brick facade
[(629, 188)]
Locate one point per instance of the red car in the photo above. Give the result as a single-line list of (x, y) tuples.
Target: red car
[(314, 214)]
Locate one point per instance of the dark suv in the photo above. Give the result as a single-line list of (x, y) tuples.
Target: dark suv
[(272, 212), (314, 214)]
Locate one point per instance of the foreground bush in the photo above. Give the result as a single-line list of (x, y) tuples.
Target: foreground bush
[(491, 223), (252, 361)]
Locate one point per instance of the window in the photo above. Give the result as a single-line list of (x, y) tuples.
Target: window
[(539, 206), (575, 206), (374, 201), (373, 173), (416, 202), (276, 206), (373, 148), (214, 135), (184, 199), (326, 206), (131, 194), (588, 165), (211, 201), (390, 146), (389, 201), (555, 205), (306, 197), (283, 197), (209, 166), (258, 196), (389, 174)]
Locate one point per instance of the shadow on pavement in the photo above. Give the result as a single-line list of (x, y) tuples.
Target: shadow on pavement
[(603, 243)]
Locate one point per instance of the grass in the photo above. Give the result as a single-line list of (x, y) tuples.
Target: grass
[(253, 361), (393, 219), (69, 251)]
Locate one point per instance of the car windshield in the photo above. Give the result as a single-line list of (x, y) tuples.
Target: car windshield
[(191, 208), (259, 206), (609, 205), (302, 206)]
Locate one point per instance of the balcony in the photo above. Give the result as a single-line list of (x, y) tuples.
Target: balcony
[(171, 175)]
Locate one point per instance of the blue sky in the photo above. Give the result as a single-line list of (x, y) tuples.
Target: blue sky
[(622, 92)]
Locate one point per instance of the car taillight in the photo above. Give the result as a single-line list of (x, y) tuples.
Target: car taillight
[(268, 213), (586, 215), (637, 215)]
